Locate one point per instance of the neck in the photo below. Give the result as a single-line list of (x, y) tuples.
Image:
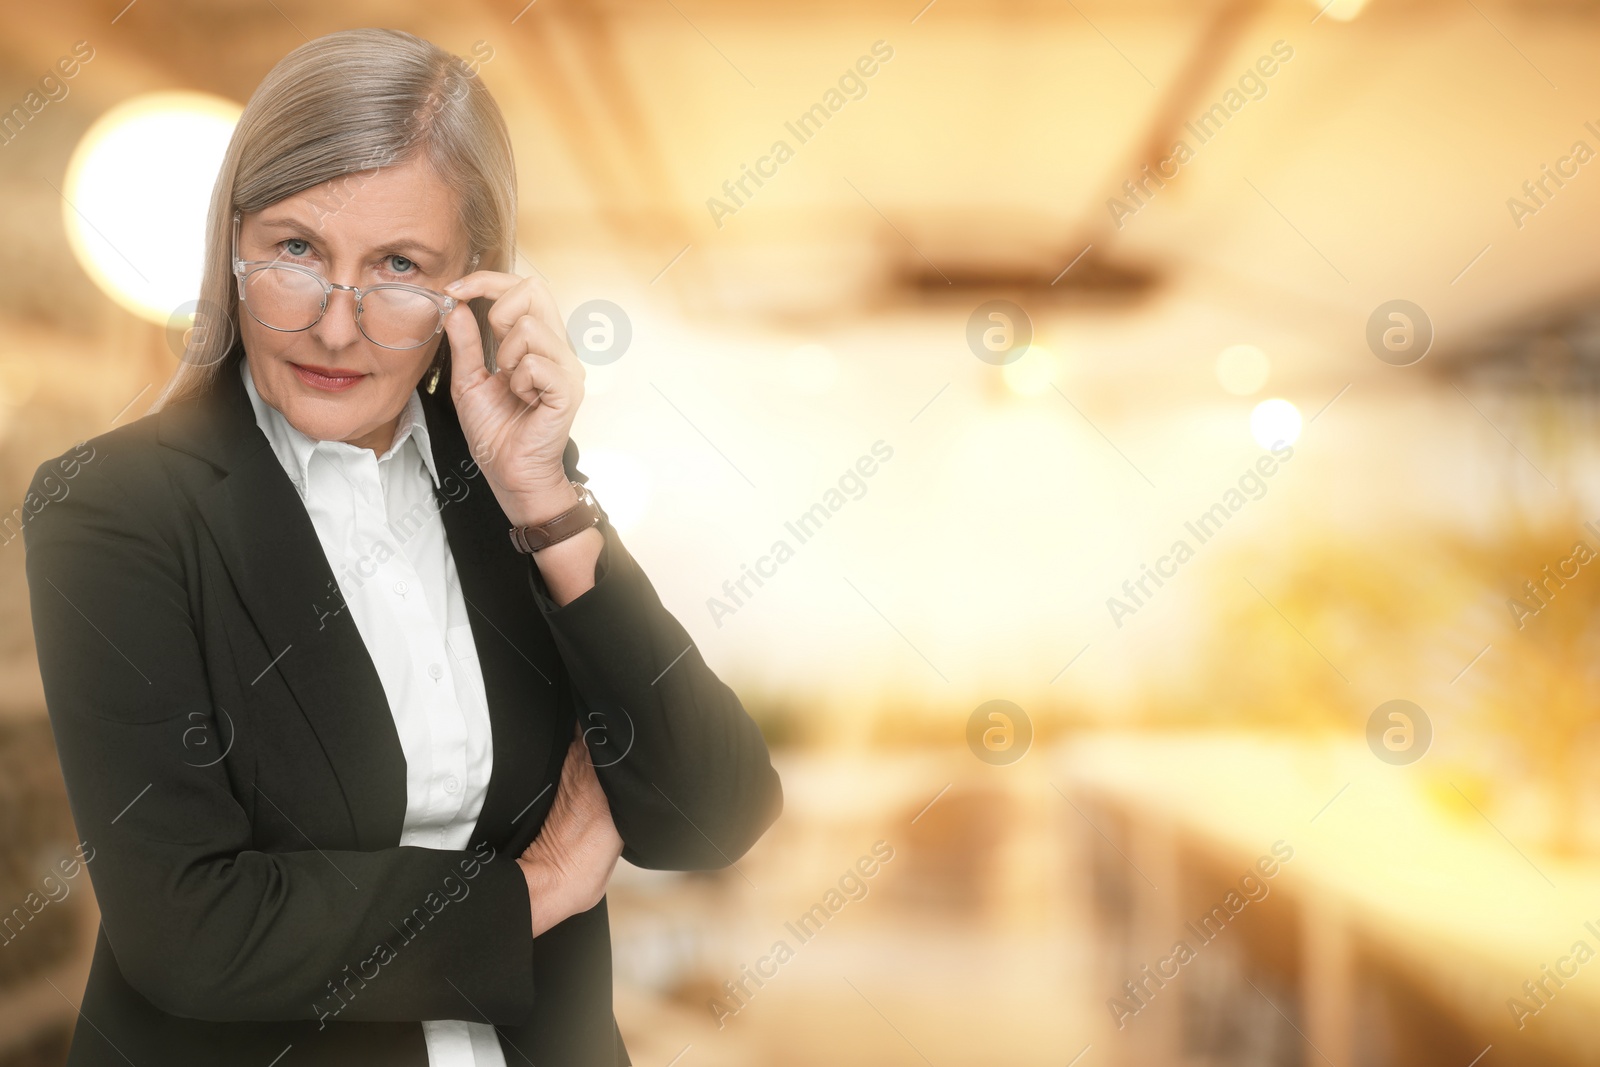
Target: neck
[(378, 439)]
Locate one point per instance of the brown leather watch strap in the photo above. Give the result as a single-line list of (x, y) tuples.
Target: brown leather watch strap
[(582, 515)]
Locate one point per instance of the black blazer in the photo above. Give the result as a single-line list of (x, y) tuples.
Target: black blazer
[(233, 767)]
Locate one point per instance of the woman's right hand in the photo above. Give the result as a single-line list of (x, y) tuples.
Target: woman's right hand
[(569, 864)]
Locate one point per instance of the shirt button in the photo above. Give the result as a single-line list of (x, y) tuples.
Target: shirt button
[(435, 671), (451, 784), (400, 587)]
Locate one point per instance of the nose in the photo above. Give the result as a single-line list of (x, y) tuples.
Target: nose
[(337, 328)]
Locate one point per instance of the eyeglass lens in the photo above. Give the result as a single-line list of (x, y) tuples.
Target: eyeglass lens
[(287, 299)]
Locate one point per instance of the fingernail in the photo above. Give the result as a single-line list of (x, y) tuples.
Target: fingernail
[(452, 287)]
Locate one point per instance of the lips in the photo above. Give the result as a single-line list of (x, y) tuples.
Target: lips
[(327, 379)]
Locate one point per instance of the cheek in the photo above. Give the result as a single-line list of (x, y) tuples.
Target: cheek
[(396, 375), (401, 371), (412, 365), (261, 342)]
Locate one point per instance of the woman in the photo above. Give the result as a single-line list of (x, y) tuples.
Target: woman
[(355, 765)]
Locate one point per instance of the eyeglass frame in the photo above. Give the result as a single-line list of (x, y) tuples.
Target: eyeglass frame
[(328, 287)]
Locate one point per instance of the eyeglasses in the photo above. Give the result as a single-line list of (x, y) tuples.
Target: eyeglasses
[(292, 298)]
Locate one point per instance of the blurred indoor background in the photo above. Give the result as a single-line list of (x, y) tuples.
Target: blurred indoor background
[(1308, 291)]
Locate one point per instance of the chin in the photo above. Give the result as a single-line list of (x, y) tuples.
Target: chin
[(327, 416), (328, 419)]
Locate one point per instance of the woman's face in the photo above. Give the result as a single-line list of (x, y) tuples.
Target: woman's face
[(393, 224)]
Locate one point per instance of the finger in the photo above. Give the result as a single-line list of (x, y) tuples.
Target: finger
[(490, 283), (538, 380), (513, 297), (580, 756), (466, 351), (533, 295), (530, 334), (530, 370), (558, 346), (570, 763), (584, 780)]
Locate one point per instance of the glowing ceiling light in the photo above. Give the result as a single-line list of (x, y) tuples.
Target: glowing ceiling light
[(1274, 422), (1242, 369), (136, 193)]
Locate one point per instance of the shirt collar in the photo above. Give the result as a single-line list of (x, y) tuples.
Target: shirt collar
[(294, 449)]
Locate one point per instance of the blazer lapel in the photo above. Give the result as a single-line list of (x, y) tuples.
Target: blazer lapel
[(522, 672), (271, 551)]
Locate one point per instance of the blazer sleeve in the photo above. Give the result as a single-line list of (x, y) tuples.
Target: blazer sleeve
[(201, 923), (684, 767)]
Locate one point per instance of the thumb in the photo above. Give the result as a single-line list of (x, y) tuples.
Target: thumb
[(466, 350)]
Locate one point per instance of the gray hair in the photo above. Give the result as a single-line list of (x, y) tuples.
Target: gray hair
[(346, 103)]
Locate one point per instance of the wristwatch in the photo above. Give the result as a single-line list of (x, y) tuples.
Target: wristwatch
[(582, 515)]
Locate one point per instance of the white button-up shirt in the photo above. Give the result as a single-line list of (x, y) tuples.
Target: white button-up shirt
[(378, 521)]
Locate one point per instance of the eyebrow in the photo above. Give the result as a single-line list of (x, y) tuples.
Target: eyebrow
[(398, 245)]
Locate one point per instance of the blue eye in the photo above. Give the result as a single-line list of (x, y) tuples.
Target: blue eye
[(404, 264), (296, 241)]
